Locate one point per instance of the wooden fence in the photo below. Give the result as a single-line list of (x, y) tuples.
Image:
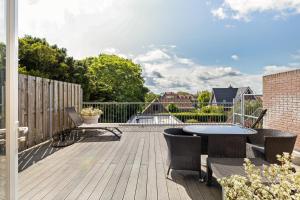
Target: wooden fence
[(41, 107)]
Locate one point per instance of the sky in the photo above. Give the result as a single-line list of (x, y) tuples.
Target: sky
[(188, 45)]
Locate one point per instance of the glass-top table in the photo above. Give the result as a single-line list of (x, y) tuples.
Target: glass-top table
[(226, 140), (227, 129)]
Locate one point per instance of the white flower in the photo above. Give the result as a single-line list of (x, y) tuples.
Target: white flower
[(277, 181), (91, 111)]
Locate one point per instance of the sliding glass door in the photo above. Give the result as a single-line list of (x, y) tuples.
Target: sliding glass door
[(3, 160), (8, 99)]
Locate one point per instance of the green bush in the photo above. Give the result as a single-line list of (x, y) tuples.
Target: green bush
[(213, 109), (173, 108), (191, 121), (201, 117)]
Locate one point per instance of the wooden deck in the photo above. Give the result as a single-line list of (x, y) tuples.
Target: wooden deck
[(101, 167)]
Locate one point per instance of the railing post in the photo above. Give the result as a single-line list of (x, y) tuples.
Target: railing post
[(233, 112), (243, 110)]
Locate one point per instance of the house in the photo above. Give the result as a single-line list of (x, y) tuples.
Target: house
[(226, 96), (184, 102)]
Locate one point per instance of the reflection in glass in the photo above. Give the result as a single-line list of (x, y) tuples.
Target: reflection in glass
[(3, 173)]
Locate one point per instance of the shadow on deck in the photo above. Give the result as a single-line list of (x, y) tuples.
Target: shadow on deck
[(102, 167)]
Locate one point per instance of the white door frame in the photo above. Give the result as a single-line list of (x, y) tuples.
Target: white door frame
[(11, 97)]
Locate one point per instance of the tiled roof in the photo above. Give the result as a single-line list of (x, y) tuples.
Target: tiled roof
[(230, 93), (225, 94)]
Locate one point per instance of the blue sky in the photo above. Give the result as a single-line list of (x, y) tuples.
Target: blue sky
[(182, 45)]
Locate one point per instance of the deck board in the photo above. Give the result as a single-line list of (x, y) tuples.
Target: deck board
[(101, 167)]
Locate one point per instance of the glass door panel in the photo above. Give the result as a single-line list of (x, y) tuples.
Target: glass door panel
[(3, 164)]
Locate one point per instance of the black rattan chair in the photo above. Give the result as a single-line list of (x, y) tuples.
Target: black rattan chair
[(268, 143), (184, 151)]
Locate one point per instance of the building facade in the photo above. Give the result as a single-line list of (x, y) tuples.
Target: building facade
[(281, 96)]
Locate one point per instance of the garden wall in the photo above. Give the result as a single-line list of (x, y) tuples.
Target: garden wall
[(281, 96)]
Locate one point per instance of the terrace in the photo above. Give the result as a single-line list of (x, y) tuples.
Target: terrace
[(100, 167), (45, 154)]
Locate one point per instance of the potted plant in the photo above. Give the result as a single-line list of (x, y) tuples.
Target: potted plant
[(91, 115)]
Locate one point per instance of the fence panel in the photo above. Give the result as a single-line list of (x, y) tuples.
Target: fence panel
[(42, 104)]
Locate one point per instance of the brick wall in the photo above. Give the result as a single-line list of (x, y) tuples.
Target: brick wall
[(281, 96)]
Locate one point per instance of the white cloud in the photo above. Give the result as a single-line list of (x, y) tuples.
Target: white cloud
[(87, 27), (219, 13), (235, 57), (2, 24), (273, 69), (153, 56), (114, 51), (296, 56), (242, 9), (164, 70)]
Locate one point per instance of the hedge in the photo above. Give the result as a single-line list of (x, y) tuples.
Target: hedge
[(201, 117)]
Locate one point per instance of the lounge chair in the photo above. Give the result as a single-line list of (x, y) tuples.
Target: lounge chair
[(184, 151), (78, 122)]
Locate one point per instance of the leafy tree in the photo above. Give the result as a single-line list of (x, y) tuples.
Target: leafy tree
[(173, 108), (103, 78), (204, 98), (78, 74), (38, 58), (115, 79), (2, 55), (150, 96)]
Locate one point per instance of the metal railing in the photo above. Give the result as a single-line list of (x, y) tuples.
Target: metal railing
[(247, 109), (169, 113)]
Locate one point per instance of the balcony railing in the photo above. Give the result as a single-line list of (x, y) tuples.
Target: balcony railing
[(169, 113)]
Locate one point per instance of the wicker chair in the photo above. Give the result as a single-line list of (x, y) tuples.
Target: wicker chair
[(184, 151), (268, 143)]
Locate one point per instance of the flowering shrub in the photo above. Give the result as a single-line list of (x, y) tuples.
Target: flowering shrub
[(277, 181), (91, 111)]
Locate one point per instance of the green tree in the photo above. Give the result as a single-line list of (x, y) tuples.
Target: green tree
[(115, 79), (204, 98), (38, 58), (2, 55), (150, 96), (103, 78), (173, 108), (78, 74)]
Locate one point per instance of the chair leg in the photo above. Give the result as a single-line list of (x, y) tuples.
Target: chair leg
[(201, 177), (209, 176), (169, 170)]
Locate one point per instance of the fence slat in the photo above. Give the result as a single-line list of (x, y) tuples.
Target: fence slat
[(42, 104), (31, 111), (38, 111), (65, 86), (45, 98)]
